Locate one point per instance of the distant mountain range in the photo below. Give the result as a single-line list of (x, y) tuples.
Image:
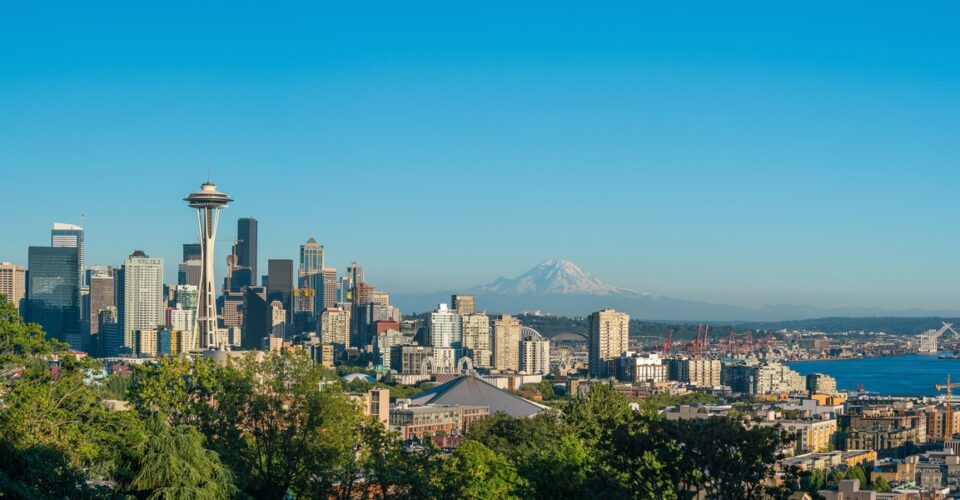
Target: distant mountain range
[(561, 287)]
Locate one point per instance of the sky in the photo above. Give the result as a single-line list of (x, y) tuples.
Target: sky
[(734, 152)]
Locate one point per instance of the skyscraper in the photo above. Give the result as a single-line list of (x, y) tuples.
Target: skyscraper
[(506, 343), (12, 283), (69, 235), (144, 304), (110, 338), (310, 274), (329, 295), (208, 202), (444, 327), (335, 326), (476, 339), (247, 246), (280, 284), (53, 292), (464, 304), (608, 333), (303, 317), (256, 317), (102, 296), (188, 271), (191, 251), (534, 352)]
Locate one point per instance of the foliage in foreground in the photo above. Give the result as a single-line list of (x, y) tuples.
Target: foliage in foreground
[(279, 425)]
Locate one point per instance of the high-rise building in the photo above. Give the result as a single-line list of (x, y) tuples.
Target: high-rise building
[(12, 282), (147, 342), (464, 304), (476, 339), (506, 343), (445, 328), (256, 317), (102, 296), (310, 274), (233, 308), (278, 320), (208, 202), (303, 319), (92, 270), (534, 352), (821, 383), (608, 332), (311, 258), (192, 251), (53, 292), (280, 284), (181, 320), (188, 271), (110, 338), (335, 326), (699, 372), (186, 295), (535, 356), (247, 246), (345, 289), (329, 292), (384, 344), (143, 305), (69, 235)]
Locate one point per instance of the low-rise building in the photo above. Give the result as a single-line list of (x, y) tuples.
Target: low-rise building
[(696, 372), (811, 435), (375, 403), (820, 383), (695, 411), (430, 420)]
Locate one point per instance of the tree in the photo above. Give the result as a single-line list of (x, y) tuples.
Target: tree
[(856, 472), (396, 472), (546, 390), (301, 439), (173, 463), (881, 485), (20, 341), (544, 449), (475, 472), (723, 458)]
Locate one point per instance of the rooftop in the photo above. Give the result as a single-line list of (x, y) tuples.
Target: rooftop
[(468, 390)]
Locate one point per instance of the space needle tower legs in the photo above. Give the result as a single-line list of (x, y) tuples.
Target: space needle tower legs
[(208, 202)]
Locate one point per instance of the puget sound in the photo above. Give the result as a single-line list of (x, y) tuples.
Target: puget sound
[(906, 375)]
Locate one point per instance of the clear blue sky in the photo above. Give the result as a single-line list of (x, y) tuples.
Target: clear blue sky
[(745, 153)]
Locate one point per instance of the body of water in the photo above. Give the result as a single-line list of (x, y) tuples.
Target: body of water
[(911, 375)]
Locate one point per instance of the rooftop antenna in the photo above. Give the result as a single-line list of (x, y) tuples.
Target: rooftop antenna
[(208, 174), (82, 218)]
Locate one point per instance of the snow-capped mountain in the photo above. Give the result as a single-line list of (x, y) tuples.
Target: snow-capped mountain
[(554, 276), (561, 287)]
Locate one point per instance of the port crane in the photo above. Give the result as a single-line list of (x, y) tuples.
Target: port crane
[(948, 416)]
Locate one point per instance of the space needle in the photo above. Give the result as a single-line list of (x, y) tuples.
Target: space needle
[(208, 202)]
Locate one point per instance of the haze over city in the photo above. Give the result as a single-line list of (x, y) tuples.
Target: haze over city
[(773, 156)]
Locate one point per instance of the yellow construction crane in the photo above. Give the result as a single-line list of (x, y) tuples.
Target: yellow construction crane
[(948, 417)]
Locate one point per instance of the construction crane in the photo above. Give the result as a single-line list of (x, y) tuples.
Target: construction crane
[(948, 417)]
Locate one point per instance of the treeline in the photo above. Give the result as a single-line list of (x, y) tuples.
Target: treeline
[(280, 426), (894, 325), (551, 326)]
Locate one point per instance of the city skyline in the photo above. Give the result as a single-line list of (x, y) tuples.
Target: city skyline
[(712, 156)]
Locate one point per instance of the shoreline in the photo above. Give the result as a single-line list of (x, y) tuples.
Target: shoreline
[(862, 357)]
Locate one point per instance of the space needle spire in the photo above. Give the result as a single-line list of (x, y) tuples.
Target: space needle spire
[(208, 202)]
